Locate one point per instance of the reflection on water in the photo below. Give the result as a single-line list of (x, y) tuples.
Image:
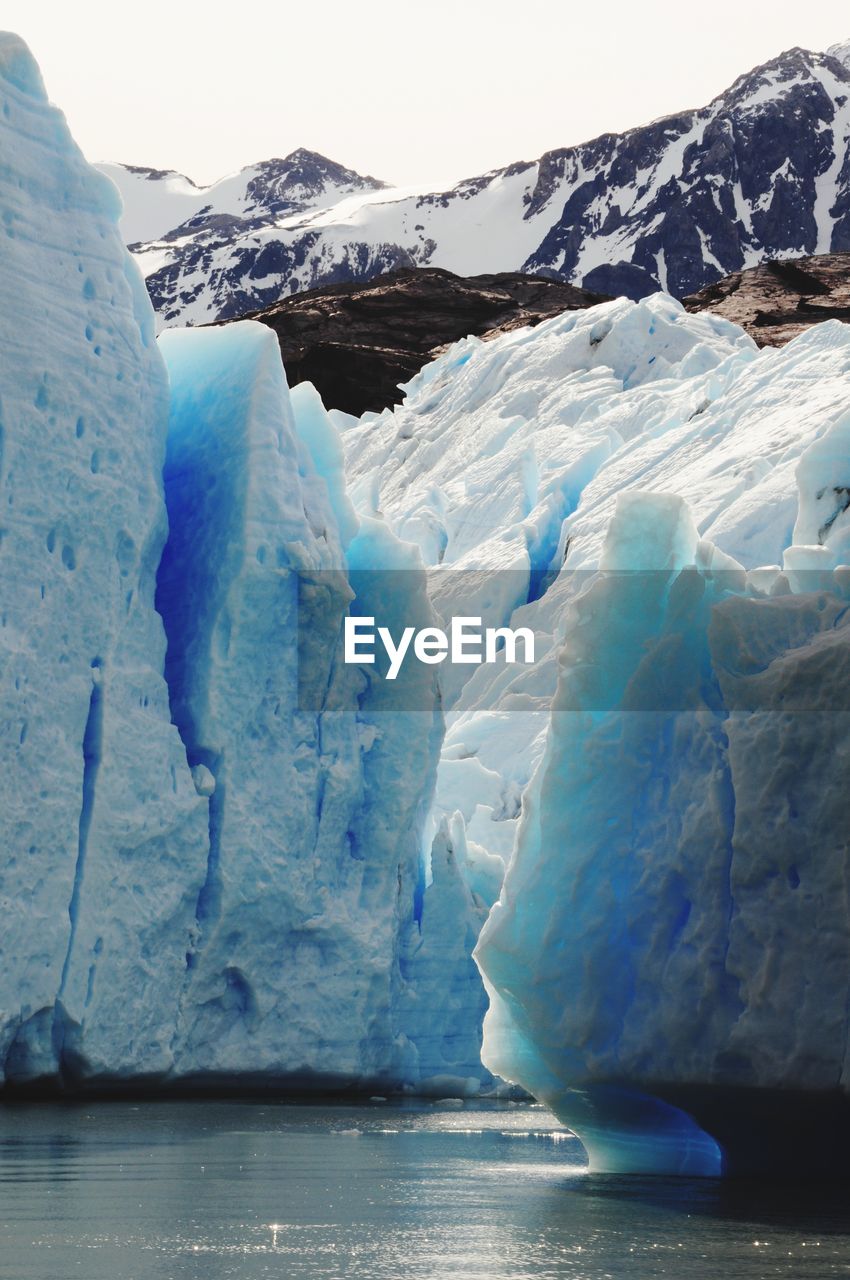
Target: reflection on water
[(179, 1191)]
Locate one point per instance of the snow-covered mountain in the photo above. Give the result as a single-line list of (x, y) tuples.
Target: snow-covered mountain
[(159, 201), (761, 171)]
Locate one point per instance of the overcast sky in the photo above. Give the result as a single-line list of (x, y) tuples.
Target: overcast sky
[(407, 90)]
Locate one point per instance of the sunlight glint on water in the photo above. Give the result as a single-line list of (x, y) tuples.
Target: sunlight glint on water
[(240, 1190)]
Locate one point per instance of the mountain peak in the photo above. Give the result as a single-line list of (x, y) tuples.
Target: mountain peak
[(303, 180), (779, 75), (675, 204), (312, 165)]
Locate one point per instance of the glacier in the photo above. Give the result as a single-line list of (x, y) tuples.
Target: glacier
[(315, 787), (103, 830), (682, 834), (667, 508), (617, 878), (213, 833)]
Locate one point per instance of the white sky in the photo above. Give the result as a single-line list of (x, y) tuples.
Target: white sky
[(407, 90)]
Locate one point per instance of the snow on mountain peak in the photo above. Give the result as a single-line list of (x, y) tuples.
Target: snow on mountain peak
[(674, 204), (158, 202), (841, 52)]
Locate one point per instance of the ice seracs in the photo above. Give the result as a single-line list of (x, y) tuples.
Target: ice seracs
[(722, 479), (683, 1007)]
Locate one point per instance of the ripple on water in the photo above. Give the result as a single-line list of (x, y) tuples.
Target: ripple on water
[(214, 1191)]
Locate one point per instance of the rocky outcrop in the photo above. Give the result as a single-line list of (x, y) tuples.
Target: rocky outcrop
[(357, 342), (782, 298)]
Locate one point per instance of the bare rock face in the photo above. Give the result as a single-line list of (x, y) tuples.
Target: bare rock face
[(357, 342), (781, 298)]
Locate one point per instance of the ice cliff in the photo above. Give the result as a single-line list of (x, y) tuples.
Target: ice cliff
[(212, 826), (666, 507), (314, 789), (670, 957), (103, 832)]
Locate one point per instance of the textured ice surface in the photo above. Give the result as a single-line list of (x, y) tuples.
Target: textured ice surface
[(247, 872), (675, 913), (637, 941), (443, 1002), (221, 875), (103, 833), (319, 786), (508, 457)]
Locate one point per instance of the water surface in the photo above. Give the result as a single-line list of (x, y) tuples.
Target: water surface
[(220, 1190)]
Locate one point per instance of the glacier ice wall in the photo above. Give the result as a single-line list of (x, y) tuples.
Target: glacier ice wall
[(316, 778), (347, 965), (247, 518), (669, 961), (264, 868), (212, 827), (509, 459), (103, 833)]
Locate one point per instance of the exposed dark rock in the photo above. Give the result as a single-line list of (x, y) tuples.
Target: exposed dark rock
[(781, 298), (357, 342), (622, 279)]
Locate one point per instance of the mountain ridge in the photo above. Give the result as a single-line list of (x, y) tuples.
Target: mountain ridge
[(761, 171), (292, 183)]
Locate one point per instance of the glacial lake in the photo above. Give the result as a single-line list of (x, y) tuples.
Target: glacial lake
[(242, 1190)]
